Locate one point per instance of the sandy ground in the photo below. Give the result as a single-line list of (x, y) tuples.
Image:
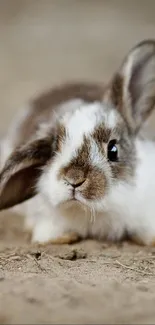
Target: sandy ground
[(43, 43)]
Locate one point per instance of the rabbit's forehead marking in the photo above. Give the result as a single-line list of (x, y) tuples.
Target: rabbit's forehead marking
[(87, 117), (85, 130), (85, 120)]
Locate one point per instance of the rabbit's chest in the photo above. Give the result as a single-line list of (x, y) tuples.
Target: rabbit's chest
[(96, 225)]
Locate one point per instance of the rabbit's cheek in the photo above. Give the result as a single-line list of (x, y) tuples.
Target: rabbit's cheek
[(95, 186)]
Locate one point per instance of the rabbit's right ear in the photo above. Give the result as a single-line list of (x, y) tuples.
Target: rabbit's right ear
[(132, 90), (21, 171)]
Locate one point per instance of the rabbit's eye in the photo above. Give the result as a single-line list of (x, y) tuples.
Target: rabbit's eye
[(112, 151)]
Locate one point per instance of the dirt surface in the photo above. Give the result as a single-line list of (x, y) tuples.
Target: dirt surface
[(44, 43), (86, 283)]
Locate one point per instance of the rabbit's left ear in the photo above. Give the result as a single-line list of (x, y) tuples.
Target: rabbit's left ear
[(20, 174), (132, 89)]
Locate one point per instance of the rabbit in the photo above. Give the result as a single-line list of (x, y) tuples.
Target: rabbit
[(75, 163)]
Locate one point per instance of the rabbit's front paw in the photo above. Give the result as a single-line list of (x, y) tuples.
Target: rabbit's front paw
[(67, 238), (46, 231)]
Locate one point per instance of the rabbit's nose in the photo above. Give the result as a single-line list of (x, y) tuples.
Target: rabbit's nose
[(75, 177), (75, 183)]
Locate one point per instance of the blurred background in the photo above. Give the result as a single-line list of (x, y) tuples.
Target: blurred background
[(44, 42)]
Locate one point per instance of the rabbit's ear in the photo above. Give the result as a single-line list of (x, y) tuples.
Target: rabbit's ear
[(132, 89), (21, 171)]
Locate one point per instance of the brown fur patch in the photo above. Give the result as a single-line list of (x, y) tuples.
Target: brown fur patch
[(89, 92), (101, 134), (61, 133), (95, 186), (44, 105)]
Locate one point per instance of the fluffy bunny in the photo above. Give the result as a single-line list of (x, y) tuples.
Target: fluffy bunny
[(75, 156)]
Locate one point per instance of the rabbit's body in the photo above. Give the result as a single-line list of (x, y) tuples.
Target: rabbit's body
[(129, 209), (77, 150)]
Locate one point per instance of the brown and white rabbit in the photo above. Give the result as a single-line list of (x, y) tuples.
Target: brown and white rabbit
[(76, 154)]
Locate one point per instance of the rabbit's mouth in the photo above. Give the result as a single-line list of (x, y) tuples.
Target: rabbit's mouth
[(71, 203)]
